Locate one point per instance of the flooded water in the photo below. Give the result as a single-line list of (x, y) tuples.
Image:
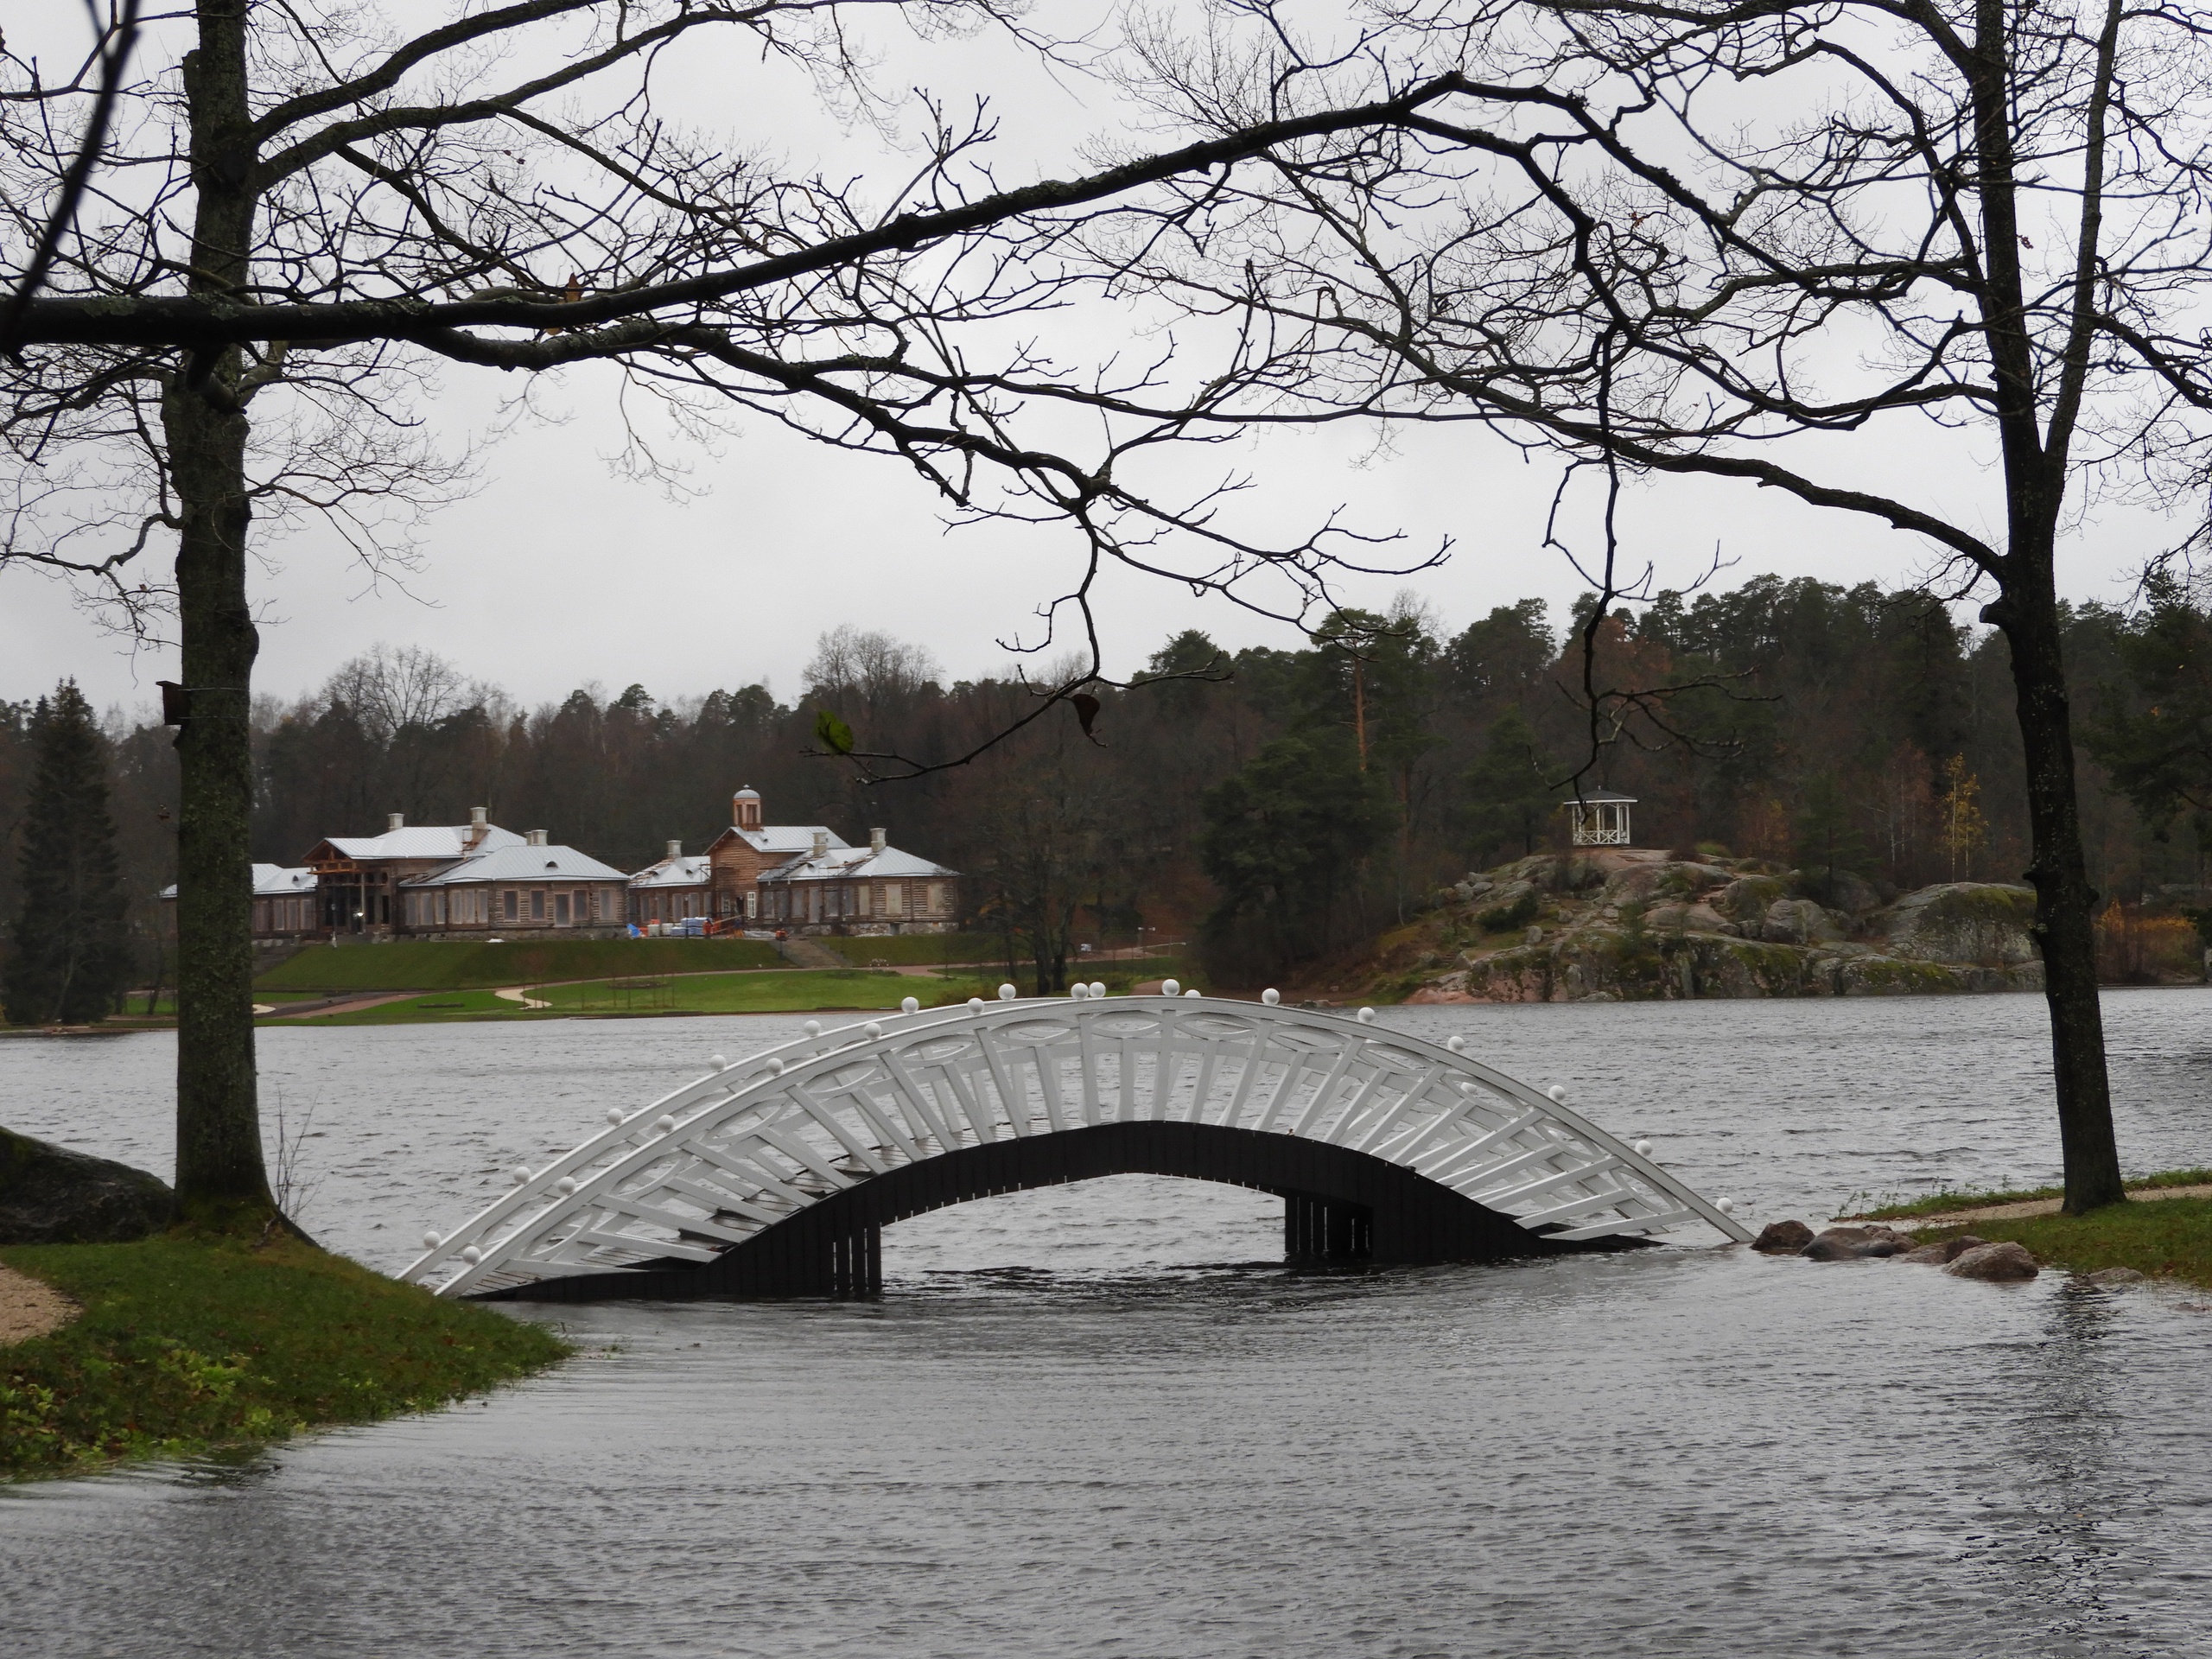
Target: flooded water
[(1064, 1431)]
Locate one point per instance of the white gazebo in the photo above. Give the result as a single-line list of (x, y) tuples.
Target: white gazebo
[(1600, 818)]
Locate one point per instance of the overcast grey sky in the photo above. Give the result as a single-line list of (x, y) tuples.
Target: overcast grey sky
[(556, 572)]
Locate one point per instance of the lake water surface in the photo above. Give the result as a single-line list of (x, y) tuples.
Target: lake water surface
[(1066, 1429)]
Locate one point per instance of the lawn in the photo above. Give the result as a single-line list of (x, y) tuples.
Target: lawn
[(427, 1009), (1949, 1199), (2171, 1237), (187, 1344), (440, 964), (795, 992)]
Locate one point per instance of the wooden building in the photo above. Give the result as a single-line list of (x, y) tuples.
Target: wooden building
[(285, 905), (357, 877), (807, 879), (673, 889), (509, 890)]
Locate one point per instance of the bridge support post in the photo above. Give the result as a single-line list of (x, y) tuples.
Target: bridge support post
[(1324, 1229), (857, 1261)]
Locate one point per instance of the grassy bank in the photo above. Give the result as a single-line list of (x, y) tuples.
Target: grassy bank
[(189, 1344), (2172, 1236), (441, 965), (1949, 1199)]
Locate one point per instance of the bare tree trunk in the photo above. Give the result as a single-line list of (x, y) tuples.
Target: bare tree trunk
[(2027, 614), (220, 1174)]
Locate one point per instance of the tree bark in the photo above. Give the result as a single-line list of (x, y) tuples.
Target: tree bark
[(2027, 614), (221, 1176)]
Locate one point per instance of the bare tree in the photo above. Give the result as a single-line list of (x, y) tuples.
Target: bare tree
[(1758, 240), (299, 212)]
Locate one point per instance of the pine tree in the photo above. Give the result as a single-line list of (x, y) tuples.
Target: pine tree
[(1509, 803), (68, 959)]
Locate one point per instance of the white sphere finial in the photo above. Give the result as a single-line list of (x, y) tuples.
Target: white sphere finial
[(1644, 1148), (813, 1027), (472, 1255), (665, 1122), (431, 1241), (1456, 1043), (565, 1186), (1271, 996), (1006, 992), (975, 1004), (614, 1115), (1098, 988), (1367, 1016), (871, 1031), (1078, 992), (519, 1175), (1725, 1207), (910, 1005), (718, 1062), (1557, 1093), (1171, 988)]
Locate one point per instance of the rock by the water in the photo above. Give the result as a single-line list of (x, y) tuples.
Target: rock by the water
[(1782, 1238), (1799, 921), (1945, 1251), (1856, 1245), (50, 1195), (1980, 922), (2115, 1276), (2002, 1264)]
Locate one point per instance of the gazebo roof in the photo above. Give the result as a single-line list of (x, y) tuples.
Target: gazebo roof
[(1599, 797)]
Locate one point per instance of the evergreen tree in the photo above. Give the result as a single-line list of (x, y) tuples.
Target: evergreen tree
[(68, 960), (1509, 800)]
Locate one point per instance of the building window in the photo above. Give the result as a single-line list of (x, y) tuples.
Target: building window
[(538, 904), (561, 908), (513, 901)]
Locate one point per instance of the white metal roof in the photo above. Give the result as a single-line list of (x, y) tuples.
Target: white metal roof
[(787, 838), (519, 863), (270, 880), (691, 872), (422, 841), (1601, 797), (850, 864)]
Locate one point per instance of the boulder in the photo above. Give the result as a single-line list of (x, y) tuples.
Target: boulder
[(2114, 1276), (1964, 921), (49, 1195), (2002, 1264), (1747, 899), (1854, 895), (1782, 1238), (1799, 921), (1856, 1245), (1944, 1251)]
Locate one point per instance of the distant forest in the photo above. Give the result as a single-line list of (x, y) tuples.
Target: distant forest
[(1311, 797)]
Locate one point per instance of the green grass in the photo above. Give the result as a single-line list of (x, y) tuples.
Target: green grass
[(2171, 1236), (441, 964), (427, 1009), (186, 1344), (786, 992), (915, 949), (1962, 1199)]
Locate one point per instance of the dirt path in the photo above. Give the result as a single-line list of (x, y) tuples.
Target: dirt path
[(2027, 1207), (29, 1307)]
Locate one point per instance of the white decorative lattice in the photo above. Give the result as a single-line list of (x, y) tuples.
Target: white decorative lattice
[(721, 1159)]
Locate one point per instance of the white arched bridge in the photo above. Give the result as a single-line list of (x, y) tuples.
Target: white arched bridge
[(776, 1176)]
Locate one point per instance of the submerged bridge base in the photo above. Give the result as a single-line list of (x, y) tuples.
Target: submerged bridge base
[(1340, 1205)]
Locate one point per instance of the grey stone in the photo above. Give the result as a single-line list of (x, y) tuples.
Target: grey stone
[(1799, 921), (1782, 1238), (1945, 1251), (2114, 1276), (50, 1195), (2002, 1264), (1856, 1245), (1980, 922)]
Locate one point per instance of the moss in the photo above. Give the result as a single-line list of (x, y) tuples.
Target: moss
[(1893, 977), (188, 1342), (1983, 905), (1505, 918)]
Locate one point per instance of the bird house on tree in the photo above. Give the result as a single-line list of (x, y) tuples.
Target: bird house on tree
[(1600, 818)]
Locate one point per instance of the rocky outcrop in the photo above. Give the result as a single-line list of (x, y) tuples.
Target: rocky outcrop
[(1631, 923), (49, 1195), (1964, 921), (2002, 1264), (1944, 1252)]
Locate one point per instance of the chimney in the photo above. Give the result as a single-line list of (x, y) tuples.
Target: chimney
[(537, 837), (821, 843), (394, 821), (479, 824), (875, 841), (675, 850)]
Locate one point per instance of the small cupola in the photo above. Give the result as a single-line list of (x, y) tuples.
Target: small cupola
[(745, 808)]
